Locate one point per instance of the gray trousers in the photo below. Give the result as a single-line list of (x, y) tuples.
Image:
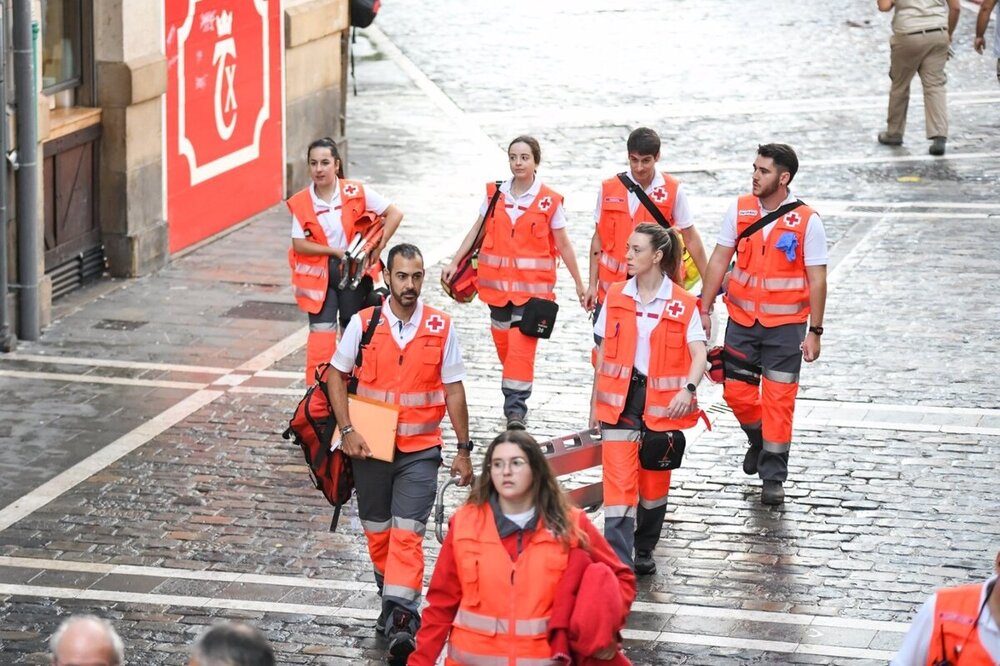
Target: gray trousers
[(392, 495), (924, 54)]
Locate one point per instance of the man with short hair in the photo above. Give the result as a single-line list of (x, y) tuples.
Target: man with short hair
[(982, 22), (619, 210), (920, 44), (414, 362), (86, 640), (776, 287), (232, 644)]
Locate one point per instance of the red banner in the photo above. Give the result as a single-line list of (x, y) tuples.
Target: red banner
[(224, 154)]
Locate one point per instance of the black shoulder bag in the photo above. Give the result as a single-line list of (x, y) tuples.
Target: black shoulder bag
[(366, 338)]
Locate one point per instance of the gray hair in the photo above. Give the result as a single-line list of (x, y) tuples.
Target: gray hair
[(233, 644), (116, 642)]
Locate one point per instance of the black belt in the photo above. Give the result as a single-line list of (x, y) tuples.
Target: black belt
[(923, 32), (638, 377)]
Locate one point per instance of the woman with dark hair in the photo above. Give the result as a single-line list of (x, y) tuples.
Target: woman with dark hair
[(324, 217), (651, 358), (495, 582), (524, 234)]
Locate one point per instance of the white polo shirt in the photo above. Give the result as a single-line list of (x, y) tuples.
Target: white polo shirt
[(329, 215), (452, 366), (683, 217), (516, 206), (647, 317), (916, 643), (815, 252)]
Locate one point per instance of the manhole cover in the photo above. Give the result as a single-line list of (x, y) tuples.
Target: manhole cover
[(265, 310), (119, 324)]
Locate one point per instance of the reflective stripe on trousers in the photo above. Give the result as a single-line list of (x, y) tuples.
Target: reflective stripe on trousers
[(470, 659), (501, 625)]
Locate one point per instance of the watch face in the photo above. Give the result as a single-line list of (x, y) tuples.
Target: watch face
[(691, 387)]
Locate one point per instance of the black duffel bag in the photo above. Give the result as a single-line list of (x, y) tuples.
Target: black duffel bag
[(539, 318), (661, 451)]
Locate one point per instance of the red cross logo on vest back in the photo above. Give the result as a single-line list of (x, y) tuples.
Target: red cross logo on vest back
[(659, 195), (545, 203), (350, 189), (792, 219), (675, 308), (434, 323)]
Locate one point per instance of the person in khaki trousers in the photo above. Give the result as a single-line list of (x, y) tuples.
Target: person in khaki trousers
[(920, 42)]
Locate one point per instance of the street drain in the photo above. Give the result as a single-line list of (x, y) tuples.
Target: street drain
[(269, 310), (119, 324)]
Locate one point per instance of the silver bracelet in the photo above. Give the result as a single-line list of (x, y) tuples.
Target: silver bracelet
[(346, 430)]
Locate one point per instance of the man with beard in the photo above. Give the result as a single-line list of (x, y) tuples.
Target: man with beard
[(776, 287), (413, 361)]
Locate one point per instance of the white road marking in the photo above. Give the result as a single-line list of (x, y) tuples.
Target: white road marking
[(110, 363), (48, 491), (96, 379), (276, 352)]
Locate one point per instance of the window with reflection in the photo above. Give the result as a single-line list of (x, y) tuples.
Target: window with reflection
[(62, 45)]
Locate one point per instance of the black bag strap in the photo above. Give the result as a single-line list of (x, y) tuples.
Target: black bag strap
[(768, 219), (489, 211), (366, 338), (634, 188)]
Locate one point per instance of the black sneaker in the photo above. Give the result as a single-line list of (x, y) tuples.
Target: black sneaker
[(516, 423), (937, 145), (402, 636), (380, 622), (752, 455), (644, 564), (772, 493)]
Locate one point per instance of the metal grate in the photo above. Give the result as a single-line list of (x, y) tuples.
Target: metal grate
[(77, 271), (269, 310)]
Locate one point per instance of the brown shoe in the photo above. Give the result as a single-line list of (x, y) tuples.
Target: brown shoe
[(887, 139)]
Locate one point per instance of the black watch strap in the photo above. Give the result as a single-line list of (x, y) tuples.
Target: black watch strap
[(466, 446), (818, 330)]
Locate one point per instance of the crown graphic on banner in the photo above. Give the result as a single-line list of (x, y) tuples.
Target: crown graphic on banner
[(224, 24)]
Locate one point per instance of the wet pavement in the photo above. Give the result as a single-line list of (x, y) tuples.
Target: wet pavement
[(144, 478)]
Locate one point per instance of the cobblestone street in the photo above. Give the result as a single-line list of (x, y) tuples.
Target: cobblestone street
[(143, 473)]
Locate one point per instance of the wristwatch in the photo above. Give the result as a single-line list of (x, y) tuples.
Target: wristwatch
[(818, 330), (346, 430), (691, 388), (466, 446)]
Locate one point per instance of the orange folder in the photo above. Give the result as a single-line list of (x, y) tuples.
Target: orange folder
[(376, 422)]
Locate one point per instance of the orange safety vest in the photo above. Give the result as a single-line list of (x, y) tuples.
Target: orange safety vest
[(956, 621), (764, 285), (410, 377), (503, 617), (310, 272), (669, 359), (517, 261), (615, 225)]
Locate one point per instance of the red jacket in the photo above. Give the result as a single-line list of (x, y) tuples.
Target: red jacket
[(444, 594), (587, 609)]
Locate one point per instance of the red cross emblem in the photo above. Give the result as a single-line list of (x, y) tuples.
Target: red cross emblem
[(545, 203), (659, 195), (350, 189), (434, 323), (792, 219), (675, 308)]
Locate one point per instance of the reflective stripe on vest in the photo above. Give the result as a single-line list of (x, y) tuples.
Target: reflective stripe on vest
[(415, 399), (522, 263), (499, 625), (468, 659), (781, 309), (610, 398), (527, 287), (774, 284), (315, 270), (407, 429), (667, 383), (612, 263), (616, 370), (312, 294)]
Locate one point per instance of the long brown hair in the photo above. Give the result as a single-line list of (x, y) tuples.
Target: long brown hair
[(669, 242), (547, 496)]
